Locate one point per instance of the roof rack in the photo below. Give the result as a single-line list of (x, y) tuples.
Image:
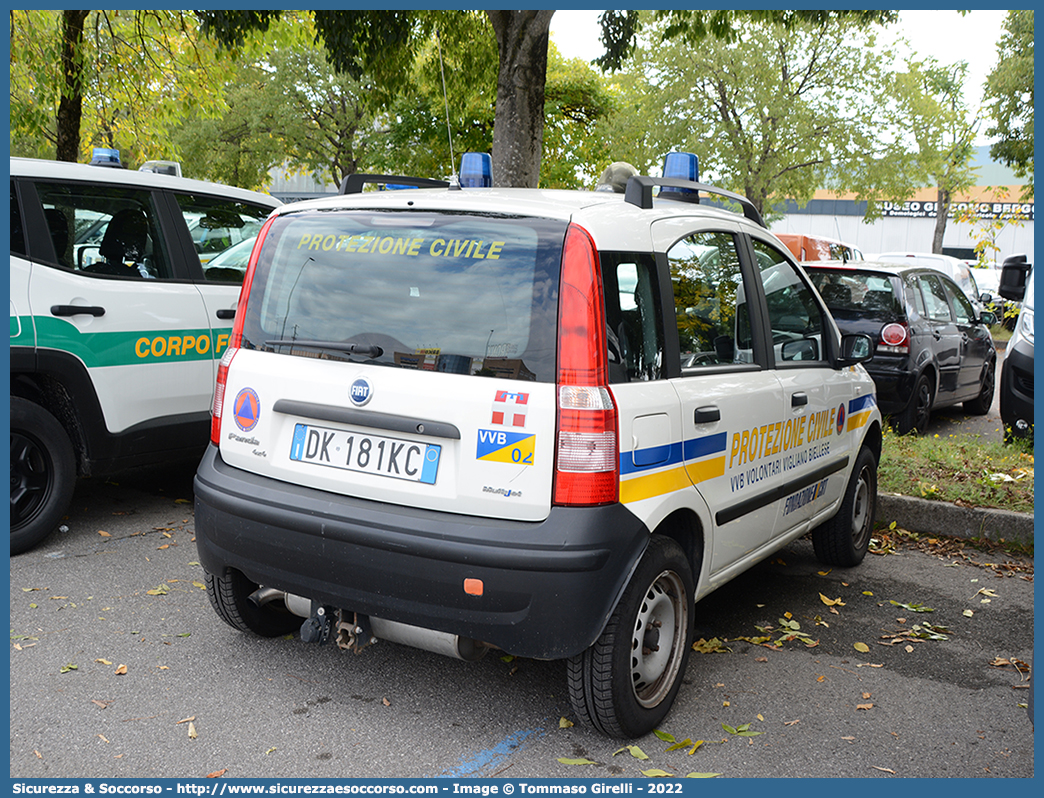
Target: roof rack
[(639, 193), (353, 184)]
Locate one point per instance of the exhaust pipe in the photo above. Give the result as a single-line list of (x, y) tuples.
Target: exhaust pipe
[(353, 634)]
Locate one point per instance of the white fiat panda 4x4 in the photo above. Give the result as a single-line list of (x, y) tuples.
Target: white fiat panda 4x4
[(545, 422)]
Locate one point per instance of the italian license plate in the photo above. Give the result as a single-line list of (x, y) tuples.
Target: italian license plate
[(368, 454)]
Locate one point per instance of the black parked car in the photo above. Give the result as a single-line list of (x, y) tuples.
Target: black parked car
[(932, 348)]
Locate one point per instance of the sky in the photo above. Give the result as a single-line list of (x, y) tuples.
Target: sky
[(944, 35)]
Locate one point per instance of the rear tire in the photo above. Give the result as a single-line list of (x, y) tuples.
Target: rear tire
[(43, 474), (981, 404), (918, 412), (844, 539), (624, 684), (230, 597)]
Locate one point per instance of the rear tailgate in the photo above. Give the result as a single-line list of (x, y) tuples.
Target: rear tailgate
[(403, 358), (424, 439)]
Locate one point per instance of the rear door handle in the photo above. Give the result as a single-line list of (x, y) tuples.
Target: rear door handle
[(799, 399), (705, 415), (76, 310), (226, 313)]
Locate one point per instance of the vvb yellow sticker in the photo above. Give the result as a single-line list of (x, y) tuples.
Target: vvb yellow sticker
[(500, 446)]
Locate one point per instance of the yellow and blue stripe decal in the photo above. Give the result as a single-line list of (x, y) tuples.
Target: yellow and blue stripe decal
[(654, 471), (859, 410)]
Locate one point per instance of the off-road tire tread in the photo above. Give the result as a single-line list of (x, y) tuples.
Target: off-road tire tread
[(229, 596)]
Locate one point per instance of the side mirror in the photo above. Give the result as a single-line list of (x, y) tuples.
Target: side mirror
[(1014, 274), (858, 348), (987, 317)]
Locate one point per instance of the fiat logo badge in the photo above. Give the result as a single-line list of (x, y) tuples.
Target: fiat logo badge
[(360, 392)]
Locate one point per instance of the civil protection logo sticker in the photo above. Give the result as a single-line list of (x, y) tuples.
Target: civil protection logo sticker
[(840, 419), (246, 410)]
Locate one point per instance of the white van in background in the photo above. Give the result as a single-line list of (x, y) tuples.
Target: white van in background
[(954, 268)]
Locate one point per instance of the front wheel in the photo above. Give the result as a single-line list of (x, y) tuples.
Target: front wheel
[(625, 683), (230, 597), (844, 539), (981, 404), (43, 473)]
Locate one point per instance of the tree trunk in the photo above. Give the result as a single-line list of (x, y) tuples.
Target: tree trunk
[(70, 106), (942, 213), (518, 125)]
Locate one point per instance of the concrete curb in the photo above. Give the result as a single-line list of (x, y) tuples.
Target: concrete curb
[(949, 520)]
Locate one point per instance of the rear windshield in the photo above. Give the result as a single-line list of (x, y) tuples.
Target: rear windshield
[(468, 294), (850, 293)]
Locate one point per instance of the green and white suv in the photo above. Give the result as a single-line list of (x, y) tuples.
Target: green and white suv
[(116, 325)]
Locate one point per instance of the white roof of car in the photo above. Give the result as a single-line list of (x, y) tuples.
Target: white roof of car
[(66, 171), (606, 214)]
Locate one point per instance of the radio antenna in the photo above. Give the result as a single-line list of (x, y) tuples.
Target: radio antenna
[(445, 97)]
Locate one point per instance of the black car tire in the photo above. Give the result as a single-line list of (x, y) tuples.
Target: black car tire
[(43, 473), (624, 684), (981, 404), (844, 539), (230, 597), (916, 415)]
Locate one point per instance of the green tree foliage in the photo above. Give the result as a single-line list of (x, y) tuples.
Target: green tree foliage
[(620, 29), (1009, 97), (411, 135), (120, 79), (929, 106), (772, 114)]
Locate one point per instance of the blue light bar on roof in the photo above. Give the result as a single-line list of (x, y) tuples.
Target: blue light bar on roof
[(105, 156), (476, 170), (680, 166)]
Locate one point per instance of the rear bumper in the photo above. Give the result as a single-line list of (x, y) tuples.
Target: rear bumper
[(893, 383), (549, 587)]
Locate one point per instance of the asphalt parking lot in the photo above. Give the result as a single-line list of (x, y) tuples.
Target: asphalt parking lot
[(119, 668)]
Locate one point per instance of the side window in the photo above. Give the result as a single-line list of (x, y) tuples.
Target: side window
[(936, 306), (913, 293), (962, 308), (17, 232), (105, 230), (794, 317), (709, 301), (633, 317), (223, 233)]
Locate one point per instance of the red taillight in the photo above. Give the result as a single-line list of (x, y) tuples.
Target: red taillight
[(236, 339), (218, 405), (895, 337), (586, 453)]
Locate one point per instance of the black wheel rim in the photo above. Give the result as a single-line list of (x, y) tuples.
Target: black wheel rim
[(987, 387), (32, 479), (923, 408), (657, 645)]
